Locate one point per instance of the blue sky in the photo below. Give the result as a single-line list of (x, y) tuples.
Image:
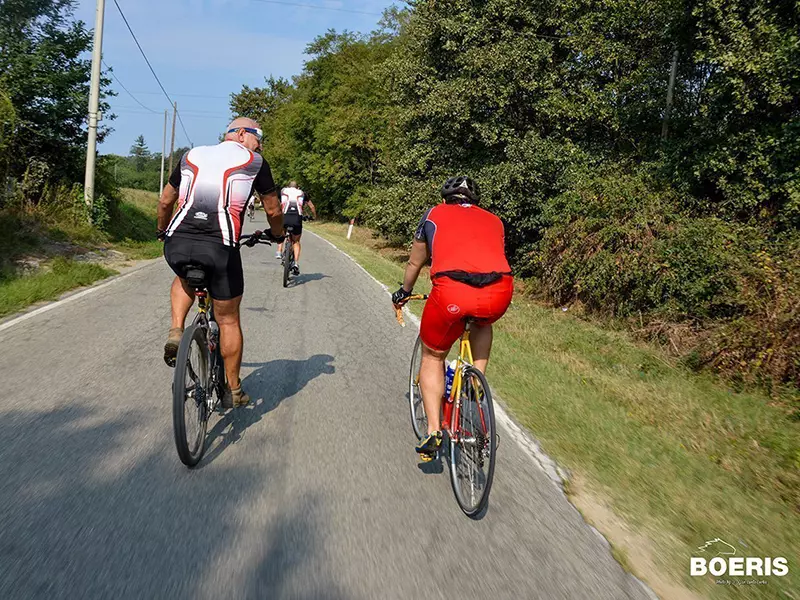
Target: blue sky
[(202, 51)]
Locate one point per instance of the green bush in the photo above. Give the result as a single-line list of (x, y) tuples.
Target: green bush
[(621, 245)]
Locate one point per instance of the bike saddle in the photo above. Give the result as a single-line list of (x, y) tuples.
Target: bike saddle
[(195, 277)]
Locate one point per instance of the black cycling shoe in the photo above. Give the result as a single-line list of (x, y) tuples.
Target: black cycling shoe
[(429, 446), (295, 270)]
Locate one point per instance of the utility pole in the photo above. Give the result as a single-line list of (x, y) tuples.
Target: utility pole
[(94, 104), (163, 151), (172, 143), (670, 89)]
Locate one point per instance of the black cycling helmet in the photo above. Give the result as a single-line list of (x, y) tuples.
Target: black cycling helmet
[(461, 187)]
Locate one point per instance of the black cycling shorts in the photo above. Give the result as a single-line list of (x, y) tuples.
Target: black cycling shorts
[(293, 223), (222, 264)]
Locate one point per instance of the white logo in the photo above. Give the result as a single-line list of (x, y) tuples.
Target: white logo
[(201, 215), (724, 562), (722, 547)]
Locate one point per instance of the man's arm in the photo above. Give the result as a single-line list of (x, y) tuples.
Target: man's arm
[(416, 260), (264, 186), (313, 209), (272, 206), (166, 204)]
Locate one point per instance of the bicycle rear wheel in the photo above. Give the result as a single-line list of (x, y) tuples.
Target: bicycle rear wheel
[(288, 260), (472, 450), (189, 396), (419, 421)]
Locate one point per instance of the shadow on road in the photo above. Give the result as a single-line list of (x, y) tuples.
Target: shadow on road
[(290, 567), (269, 385), (306, 277), (89, 511)]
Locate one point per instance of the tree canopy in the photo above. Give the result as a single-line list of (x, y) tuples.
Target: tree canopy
[(558, 109)]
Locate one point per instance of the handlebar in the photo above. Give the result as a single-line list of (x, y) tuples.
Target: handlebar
[(261, 237), (399, 311)]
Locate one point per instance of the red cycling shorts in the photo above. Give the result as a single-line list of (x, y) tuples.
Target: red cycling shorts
[(451, 302)]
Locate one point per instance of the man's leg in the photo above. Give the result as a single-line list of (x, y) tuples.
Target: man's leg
[(226, 313), (296, 248), (181, 298), (431, 383), (480, 338)]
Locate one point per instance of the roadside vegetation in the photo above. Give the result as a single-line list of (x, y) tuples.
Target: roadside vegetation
[(50, 241), (684, 228), (661, 459), (50, 248)]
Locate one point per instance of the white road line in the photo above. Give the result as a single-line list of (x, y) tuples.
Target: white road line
[(57, 303)]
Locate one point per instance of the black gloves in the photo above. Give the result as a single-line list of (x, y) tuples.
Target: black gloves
[(400, 297)]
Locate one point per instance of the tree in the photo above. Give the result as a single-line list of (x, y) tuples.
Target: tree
[(45, 72), (140, 153)]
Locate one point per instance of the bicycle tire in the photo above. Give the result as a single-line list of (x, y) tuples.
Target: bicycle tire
[(419, 421), (288, 260), (471, 450), (190, 451)]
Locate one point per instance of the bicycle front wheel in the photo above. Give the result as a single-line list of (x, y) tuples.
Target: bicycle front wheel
[(189, 396), (419, 421), (473, 447)]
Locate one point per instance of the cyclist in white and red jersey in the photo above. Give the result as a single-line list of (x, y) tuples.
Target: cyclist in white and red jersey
[(213, 184), (293, 200)]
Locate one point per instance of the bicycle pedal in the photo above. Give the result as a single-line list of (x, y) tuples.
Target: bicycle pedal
[(427, 457)]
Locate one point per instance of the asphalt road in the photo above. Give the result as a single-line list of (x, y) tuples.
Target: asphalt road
[(312, 492)]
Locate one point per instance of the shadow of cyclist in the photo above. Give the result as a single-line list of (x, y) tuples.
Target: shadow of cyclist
[(306, 277), (269, 385)]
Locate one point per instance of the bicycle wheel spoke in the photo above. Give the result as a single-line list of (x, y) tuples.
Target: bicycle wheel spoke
[(190, 390), (419, 421), (472, 454)]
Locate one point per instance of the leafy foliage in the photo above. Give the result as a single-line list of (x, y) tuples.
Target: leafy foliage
[(559, 110), (45, 75)]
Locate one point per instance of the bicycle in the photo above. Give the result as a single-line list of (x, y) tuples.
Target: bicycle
[(198, 384), (468, 423), (287, 256)]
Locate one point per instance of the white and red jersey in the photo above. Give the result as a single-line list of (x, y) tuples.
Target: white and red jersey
[(214, 185), (292, 200)]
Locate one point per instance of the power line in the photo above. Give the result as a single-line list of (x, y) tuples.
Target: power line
[(317, 6), (126, 89), (186, 95), (133, 35), (128, 111)]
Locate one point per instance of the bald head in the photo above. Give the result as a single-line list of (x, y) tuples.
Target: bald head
[(240, 122), (239, 133)]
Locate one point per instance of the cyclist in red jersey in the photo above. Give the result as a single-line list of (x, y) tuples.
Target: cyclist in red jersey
[(471, 279)]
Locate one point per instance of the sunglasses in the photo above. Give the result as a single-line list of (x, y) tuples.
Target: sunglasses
[(256, 132)]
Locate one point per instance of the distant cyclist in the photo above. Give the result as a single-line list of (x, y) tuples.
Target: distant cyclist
[(251, 207), (213, 184), (470, 277), (293, 201)]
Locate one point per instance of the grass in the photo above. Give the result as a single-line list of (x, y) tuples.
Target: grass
[(132, 229), (677, 457), (47, 284), (51, 238)]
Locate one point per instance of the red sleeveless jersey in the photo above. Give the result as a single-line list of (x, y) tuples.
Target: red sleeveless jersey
[(463, 237)]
